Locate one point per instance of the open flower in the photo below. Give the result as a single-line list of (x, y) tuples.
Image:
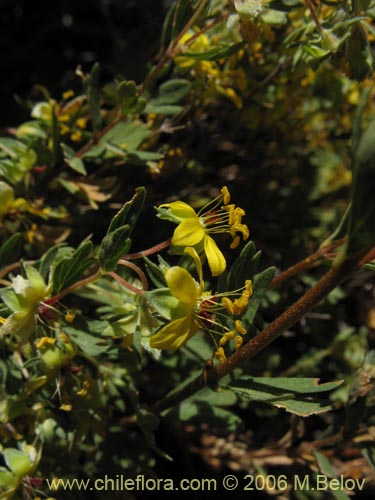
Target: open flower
[(194, 229), (184, 322), (196, 309)]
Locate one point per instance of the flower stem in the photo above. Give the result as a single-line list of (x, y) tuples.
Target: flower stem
[(79, 283), (287, 319), (124, 283), (138, 270), (148, 251)]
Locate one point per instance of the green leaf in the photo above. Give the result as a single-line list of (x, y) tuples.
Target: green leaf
[(92, 88), (301, 385), (361, 235), (53, 254), (324, 464), (155, 273), (10, 249), (184, 11), (261, 284), (357, 122), (11, 408), (32, 385), (315, 51), (128, 100), (273, 17), (369, 453), (173, 91), (327, 469), (148, 423), (292, 394), (242, 269), (70, 268), (72, 160), (17, 461), (163, 109), (142, 157), (222, 396), (130, 212), (16, 159), (198, 412), (86, 340), (219, 52), (167, 27), (20, 324), (248, 7), (161, 301), (55, 136), (359, 53), (113, 246), (127, 135)]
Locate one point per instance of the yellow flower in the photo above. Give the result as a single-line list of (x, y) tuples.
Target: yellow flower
[(194, 229), (187, 291), (197, 309), (199, 44)]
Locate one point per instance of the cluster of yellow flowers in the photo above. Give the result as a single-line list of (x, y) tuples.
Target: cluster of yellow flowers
[(70, 114), (217, 79), (196, 308)]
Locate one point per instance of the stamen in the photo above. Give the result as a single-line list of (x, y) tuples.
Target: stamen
[(226, 195), (220, 355), (239, 327), (238, 342)]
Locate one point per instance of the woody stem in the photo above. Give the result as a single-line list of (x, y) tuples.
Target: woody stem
[(287, 319)]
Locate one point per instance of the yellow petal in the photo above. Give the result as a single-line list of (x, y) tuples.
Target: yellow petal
[(179, 209), (215, 258), (182, 285), (188, 233), (174, 334), (198, 264)]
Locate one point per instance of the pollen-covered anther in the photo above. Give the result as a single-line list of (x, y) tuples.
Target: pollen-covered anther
[(239, 327), (226, 337), (238, 341), (238, 305), (226, 195), (45, 341), (236, 241), (220, 355)]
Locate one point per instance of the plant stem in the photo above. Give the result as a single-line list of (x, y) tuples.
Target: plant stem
[(138, 270), (148, 251), (13, 266), (305, 264), (80, 283), (287, 319), (124, 283), (169, 53), (314, 15), (98, 136)]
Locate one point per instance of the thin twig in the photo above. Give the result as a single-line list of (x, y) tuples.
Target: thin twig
[(70, 289), (138, 270), (306, 263), (169, 53), (124, 283), (149, 251)]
